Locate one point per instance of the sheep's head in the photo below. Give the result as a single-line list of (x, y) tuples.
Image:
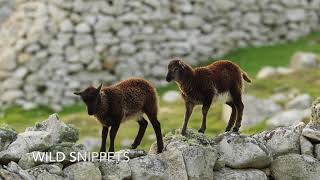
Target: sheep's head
[(90, 97), (176, 69)]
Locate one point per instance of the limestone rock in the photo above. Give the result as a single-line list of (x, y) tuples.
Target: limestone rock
[(7, 136), (317, 151), (27, 160), (282, 140), (70, 150), (47, 171), (302, 101), (82, 171), (171, 96), (199, 160), (304, 60), (312, 130), (239, 151), (26, 142), (111, 170), (168, 165), (288, 118), (306, 146), (60, 132), (295, 166), (239, 174), (266, 72)]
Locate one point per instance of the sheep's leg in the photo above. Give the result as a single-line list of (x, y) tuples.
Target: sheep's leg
[(232, 116), (113, 132), (205, 109), (104, 135), (142, 129), (189, 109), (239, 104), (157, 129)]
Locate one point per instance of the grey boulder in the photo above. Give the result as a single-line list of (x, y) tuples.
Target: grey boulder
[(282, 140), (295, 166), (239, 174), (239, 151)]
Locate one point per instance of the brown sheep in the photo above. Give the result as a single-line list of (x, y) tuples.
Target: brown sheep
[(205, 85), (115, 104)]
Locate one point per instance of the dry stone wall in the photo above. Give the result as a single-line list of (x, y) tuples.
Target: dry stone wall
[(283, 153), (50, 48)]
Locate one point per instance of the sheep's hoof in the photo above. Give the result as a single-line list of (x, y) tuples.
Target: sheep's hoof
[(183, 133), (236, 130), (134, 146), (158, 152), (201, 131)]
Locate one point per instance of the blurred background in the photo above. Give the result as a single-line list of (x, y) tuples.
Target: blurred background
[(51, 48)]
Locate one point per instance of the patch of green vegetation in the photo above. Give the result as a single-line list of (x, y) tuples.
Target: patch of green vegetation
[(307, 81), (171, 115), (254, 58)]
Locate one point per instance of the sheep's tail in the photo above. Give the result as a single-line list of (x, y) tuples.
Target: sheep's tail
[(246, 77)]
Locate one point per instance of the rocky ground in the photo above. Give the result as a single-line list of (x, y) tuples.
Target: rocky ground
[(283, 153)]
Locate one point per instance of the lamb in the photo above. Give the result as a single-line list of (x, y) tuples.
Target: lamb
[(205, 85), (129, 99)]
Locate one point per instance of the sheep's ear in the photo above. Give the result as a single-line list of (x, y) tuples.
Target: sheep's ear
[(181, 64), (77, 93), (99, 88)]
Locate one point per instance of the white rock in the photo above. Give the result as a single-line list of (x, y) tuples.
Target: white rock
[(302, 101), (239, 174), (11, 84), (66, 26), (158, 71), (317, 151), (295, 166), (115, 170), (81, 40), (266, 72), (282, 140), (240, 151), (10, 96), (7, 59), (82, 171), (193, 21), (168, 165), (306, 146), (26, 142), (304, 60), (288, 118), (127, 48), (296, 14), (83, 28), (20, 73), (284, 70), (59, 131), (171, 96), (199, 160), (103, 23), (279, 97), (312, 130), (7, 136)]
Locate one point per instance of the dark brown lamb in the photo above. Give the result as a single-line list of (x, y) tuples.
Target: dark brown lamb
[(205, 85), (129, 99)]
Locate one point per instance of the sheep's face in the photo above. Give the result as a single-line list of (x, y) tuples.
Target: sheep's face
[(175, 70), (90, 97)]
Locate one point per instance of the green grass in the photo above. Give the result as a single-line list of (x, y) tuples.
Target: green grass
[(171, 115)]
